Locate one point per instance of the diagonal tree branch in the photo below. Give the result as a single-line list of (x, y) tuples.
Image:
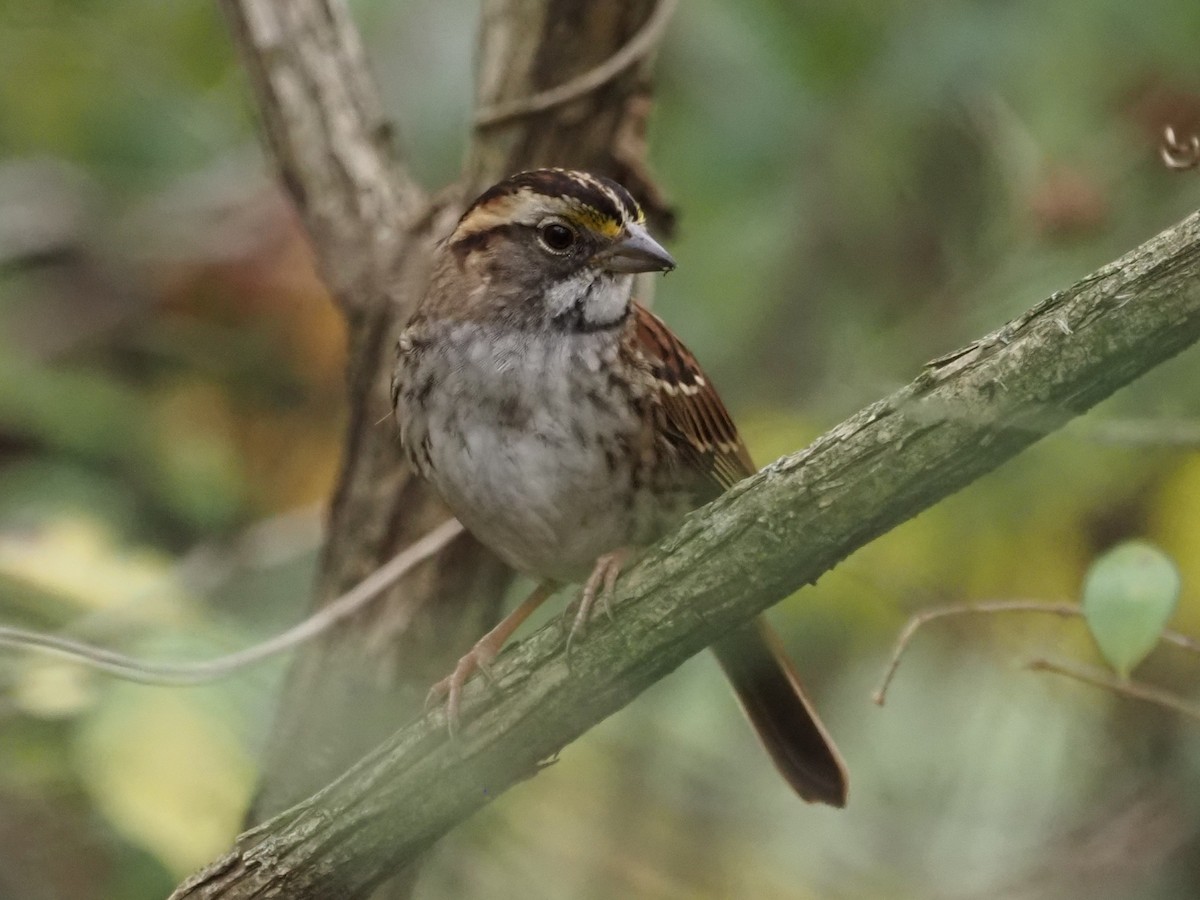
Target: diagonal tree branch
[(963, 416)]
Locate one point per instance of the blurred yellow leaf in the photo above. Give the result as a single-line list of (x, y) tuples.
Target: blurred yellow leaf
[(76, 559), (50, 689), (1175, 526), (167, 772)]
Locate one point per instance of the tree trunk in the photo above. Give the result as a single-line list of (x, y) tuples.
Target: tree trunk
[(372, 229)]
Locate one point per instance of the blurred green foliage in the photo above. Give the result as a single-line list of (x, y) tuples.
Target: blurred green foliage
[(861, 186)]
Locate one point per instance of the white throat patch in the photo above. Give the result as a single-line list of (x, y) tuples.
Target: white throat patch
[(598, 299)]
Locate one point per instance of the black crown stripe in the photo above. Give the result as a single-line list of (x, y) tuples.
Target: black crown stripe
[(602, 194)]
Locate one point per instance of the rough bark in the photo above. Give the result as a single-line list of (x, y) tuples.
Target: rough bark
[(371, 229), (963, 416)]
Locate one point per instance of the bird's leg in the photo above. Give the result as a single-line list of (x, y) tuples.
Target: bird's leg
[(599, 585), (481, 655)]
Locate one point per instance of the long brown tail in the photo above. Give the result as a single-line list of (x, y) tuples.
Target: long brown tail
[(786, 723)]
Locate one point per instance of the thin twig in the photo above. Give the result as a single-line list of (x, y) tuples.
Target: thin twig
[(1190, 644), (181, 674), (1126, 688), (637, 48), (993, 606), (1179, 153)]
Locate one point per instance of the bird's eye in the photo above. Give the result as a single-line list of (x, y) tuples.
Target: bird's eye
[(557, 237)]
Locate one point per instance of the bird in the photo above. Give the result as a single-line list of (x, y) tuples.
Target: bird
[(568, 427)]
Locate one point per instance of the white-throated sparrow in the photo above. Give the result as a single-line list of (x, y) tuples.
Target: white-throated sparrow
[(565, 425)]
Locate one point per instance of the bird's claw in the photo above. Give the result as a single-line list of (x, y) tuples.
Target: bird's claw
[(599, 586), (478, 659)]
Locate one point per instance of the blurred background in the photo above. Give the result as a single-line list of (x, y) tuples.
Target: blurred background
[(862, 186)]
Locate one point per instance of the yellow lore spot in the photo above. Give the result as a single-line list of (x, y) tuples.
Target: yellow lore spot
[(596, 221)]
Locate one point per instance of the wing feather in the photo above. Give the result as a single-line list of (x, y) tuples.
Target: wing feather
[(693, 418)]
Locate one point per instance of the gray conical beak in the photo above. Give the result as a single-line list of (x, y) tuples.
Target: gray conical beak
[(636, 252)]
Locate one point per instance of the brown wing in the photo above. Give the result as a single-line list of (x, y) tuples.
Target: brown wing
[(693, 418)]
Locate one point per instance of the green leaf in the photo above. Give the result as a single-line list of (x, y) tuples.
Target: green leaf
[(1128, 596)]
